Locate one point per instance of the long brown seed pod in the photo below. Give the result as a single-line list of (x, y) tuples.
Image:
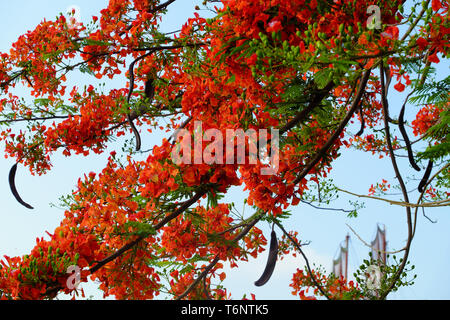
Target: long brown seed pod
[(363, 123), (149, 93), (401, 125), (424, 180), (135, 132), (130, 92), (12, 184), (271, 261), (149, 89)]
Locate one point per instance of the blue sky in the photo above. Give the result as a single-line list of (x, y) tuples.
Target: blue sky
[(353, 171)]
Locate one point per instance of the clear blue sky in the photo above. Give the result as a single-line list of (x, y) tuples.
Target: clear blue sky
[(353, 171)]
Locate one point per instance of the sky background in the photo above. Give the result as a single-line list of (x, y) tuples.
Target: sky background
[(353, 171)]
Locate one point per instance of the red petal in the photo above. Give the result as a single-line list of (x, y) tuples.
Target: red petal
[(400, 87)]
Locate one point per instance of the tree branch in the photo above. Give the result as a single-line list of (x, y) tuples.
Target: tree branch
[(162, 6), (439, 203), (216, 259), (423, 193), (159, 225), (35, 119), (385, 106), (368, 245), (322, 152), (304, 257), (311, 106)]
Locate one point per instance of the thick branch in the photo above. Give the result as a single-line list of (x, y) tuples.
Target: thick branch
[(322, 152), (301, 116), (159, 225)]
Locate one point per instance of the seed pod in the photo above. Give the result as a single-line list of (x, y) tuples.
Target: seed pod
[(271, 261), (425, 176), (136, 133), (12, 185), (405, 137), (149, 89), (363, 123)]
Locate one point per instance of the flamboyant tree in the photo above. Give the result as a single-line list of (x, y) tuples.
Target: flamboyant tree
[(306, 68)]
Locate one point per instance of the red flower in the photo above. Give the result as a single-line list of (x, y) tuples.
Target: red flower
[(400, 87), (252, 59), (436, 5), (433, 58), (422, 43)]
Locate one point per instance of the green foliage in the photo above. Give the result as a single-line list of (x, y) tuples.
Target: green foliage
[(140, 229), (213, 199), (322, 77), (432, 92), (84, 68), (388, 273)]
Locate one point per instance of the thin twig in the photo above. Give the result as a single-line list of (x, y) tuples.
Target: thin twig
[(413, 25), (330, 209), (183, 125), (301, 116), (304, 257), (368, 245), (427, 217), (35, 119), (422, 194), (439, 203)]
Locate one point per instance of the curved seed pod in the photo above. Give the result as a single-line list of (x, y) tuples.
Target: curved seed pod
[(405, 137), (136, 133), (149, 93), (149, 89), (12, 184), (271, 261), (424, 180), (387, 73), (363, 123)]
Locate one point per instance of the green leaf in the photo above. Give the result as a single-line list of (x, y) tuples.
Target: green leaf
[(42, 101), (85, 69), (140, 228), (232, 79), (91, 42), (322, 77)]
